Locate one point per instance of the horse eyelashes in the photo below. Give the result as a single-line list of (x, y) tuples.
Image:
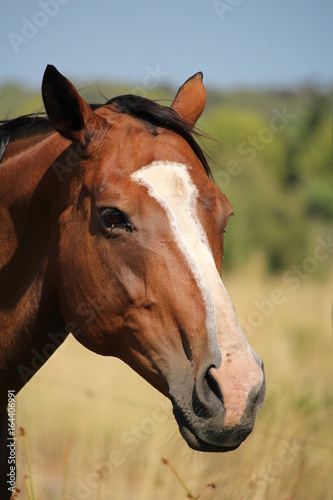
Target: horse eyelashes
[(112, 218)]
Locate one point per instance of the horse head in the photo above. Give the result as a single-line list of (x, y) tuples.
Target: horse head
[(139, 257)]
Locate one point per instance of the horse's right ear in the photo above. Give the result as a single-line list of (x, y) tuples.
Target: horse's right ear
[(68, 112)]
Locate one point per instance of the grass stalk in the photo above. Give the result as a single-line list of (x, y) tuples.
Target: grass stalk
[(190, 494), (28, 484)]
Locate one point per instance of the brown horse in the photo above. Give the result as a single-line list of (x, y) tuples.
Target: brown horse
[(115, 202)]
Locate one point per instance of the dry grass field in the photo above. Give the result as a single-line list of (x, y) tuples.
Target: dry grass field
[(95, 430)]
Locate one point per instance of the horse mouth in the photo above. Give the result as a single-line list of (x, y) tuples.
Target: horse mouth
[(198, 443)]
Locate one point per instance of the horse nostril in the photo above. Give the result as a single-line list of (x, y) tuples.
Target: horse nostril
[(213, 385), (207, 398)]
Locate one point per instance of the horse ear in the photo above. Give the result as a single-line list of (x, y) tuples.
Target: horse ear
[(67, 111), (190, 100)]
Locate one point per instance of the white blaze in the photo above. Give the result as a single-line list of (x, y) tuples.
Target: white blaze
[(170, 184)]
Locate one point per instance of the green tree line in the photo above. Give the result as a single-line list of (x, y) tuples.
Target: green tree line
[(273, 159)]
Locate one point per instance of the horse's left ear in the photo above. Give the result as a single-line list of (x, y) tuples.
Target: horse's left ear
[(190, 100), (68, 112)]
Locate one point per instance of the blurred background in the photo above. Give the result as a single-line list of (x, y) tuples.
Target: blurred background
[(94, 428)]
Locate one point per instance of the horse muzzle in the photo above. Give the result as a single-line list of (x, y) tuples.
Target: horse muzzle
[(221, 411)]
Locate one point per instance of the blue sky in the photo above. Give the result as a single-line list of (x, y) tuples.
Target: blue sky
[(236, 43)]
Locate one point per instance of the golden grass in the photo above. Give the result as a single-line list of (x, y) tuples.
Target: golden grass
[(98, 431)]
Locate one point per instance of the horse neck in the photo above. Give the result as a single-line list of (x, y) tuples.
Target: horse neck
[(29, 306)]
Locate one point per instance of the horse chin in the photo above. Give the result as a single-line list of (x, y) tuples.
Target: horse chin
[(197, 443)]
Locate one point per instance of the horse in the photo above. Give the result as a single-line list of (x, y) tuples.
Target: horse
[(117, 201)]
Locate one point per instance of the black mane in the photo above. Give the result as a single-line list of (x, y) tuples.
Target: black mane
[(23, 126), (150, 112)]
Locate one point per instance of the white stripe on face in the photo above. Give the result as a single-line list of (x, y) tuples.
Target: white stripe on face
[(170, 184)]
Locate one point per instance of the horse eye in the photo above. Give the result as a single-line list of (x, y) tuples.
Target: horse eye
[(112, 218)]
